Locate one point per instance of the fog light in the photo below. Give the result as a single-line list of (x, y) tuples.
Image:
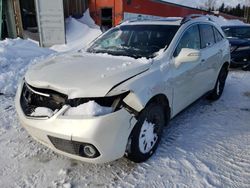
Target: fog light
[(87, 151)]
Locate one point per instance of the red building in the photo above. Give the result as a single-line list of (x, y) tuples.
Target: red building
[(111, 12)]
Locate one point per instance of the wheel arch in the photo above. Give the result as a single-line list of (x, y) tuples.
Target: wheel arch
[(226, 64), (134, 102), (161, 99)]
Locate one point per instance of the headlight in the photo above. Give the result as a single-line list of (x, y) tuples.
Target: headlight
[(95, 106), (232, 48)]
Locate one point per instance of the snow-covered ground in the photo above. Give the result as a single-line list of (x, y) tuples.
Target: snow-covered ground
[(207, 145)]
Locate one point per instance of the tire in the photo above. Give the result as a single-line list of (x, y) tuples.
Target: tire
[(147, 133), (220, 84)]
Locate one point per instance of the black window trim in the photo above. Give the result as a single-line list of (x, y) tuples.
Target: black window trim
[(222, 37), (202, 37), (177, 43)]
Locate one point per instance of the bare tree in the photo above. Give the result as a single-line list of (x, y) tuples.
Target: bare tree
[(247, 11), (210, 4)]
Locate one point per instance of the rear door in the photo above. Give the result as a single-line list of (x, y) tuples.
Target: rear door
[(211, 53)]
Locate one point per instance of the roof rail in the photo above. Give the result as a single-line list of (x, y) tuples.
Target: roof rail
[(141, 18), (193, 16)]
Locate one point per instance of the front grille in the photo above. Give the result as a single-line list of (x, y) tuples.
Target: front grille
[(31, 98), (70, 146)]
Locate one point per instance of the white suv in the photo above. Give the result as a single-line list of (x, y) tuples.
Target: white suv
[(115, 98)]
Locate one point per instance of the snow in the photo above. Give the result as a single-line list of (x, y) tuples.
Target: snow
[(207, 145), (16, 55), (42, 111), (79, 33), (87, 20), (221, 21), (90, 108)]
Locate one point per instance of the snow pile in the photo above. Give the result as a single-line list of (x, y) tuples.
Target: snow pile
[(90, 108), (79, 33), (87, 20), (15, 57), (221, 21), (42, 111)]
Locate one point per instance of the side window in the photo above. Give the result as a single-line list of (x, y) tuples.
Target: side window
[(207, 35), (218, 36), (190, 39)]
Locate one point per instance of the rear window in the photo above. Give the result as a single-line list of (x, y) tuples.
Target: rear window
[(207, 35)]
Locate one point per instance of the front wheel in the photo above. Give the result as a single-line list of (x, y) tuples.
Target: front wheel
[(220, 84), (147, 132)]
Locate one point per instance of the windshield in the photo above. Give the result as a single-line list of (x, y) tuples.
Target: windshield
[(237, 32), (135, 40)]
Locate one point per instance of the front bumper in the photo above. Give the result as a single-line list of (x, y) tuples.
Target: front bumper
[(236, 63), (240, 59), (108, 134)]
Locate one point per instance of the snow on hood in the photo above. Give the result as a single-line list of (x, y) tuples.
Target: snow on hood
[(84, 75)]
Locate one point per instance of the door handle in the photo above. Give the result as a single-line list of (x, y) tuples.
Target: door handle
[(203, 61)]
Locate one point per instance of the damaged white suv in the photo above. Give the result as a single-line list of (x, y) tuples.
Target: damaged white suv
[(114, 98)]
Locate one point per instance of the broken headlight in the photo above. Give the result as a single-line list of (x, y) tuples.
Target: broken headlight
[(95, 106)]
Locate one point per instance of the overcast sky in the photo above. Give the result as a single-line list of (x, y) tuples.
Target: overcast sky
[(200, 3)]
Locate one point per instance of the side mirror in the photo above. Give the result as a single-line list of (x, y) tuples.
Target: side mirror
[(187, 55)]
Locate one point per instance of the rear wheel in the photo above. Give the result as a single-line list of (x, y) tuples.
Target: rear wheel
[(147, 132), (220, 84)]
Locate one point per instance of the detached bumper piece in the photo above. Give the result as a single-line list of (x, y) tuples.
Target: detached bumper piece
[(74, 147)]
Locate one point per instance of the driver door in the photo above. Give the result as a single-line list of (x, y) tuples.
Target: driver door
[(186, 76)]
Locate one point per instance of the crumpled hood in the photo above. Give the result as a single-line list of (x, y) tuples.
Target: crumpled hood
[(84, 75)]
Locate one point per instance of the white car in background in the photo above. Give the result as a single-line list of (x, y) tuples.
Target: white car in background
[(115, 98)]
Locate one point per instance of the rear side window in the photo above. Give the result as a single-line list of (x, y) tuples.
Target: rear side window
[(207, 35), (190, 39), (218, 36)]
